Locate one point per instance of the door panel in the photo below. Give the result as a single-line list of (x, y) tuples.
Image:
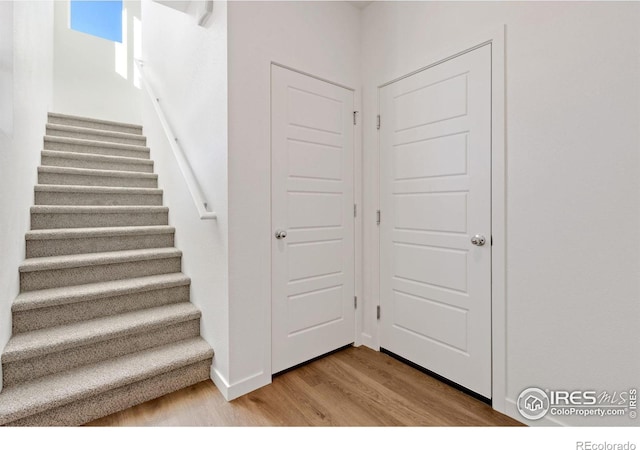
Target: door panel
[(312, 200), (422, 105), (435, 194), (437, 157)]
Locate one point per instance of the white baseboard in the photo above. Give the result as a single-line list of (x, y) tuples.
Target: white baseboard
[(368, 341), (241, 387), (546, 421), (220, 382)]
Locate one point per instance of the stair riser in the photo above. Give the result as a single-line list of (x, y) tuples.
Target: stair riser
[(50, 363), (96, 137), (95, 407), (58, 247), (96, 199), (94, 125), (39, 318), (73, 276), (89, 180), (43, 221), (100, 165), (95, 150), (71, 375)]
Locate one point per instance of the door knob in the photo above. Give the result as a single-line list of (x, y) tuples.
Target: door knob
[(478, 240), (281, 234)]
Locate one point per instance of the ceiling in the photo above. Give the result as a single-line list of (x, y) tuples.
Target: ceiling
[(182, 5), (360, 4), (179, 5)]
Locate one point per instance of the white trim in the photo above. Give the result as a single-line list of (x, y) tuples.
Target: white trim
[(358, 231), (302, 72), (369, 341), (498, 223), (248, 384), (221, 382), (496, 38), (422, 69)]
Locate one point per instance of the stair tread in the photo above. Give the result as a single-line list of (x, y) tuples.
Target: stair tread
[(95, 259), (36, 343), (44, 298), (94, 157), (101, 144), (62, 388), (82, 141), (85, 130), (76, 233), (91, 119), (84, 209), (96, 189), (96, 172)]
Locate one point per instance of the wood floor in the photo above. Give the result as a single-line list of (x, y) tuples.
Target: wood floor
[(352, 387)]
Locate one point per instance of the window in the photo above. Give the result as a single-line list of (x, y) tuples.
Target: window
[(98, 18)]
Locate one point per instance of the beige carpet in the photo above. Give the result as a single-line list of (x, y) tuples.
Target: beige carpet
[(103, 320)]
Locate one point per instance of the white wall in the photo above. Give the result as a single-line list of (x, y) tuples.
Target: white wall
[(31, 26), (186, 65), (320, 38), (87, 81), (573, 177), (6, 68)]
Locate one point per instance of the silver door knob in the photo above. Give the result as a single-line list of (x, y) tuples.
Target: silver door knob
[(281, 234), (478, 240)]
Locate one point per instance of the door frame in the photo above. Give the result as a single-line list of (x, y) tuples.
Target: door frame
[(496, 39), (357, 198)]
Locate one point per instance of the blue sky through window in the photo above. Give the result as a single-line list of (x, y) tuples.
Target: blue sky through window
[(98, 18)]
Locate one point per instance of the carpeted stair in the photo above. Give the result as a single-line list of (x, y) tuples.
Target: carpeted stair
[(103, 319)]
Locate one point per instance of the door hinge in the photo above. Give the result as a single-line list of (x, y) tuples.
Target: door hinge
[(355, 117), (378, 217), (355, 302), (355, 210), (492, 241), (378, 122), (378, 312)]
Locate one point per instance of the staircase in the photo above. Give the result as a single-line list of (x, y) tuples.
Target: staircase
[(103, 319)]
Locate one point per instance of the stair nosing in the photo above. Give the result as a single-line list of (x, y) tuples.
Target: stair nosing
[(89, 381), (91, 119), (90, 143), (59, 388), (95, 172), (32, 344), (96, 259), (90, 209), (81, 189), (67, 295), (91, 232), (96, 131), (95, 157)]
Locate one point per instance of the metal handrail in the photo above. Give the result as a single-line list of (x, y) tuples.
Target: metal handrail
[(183, 163)]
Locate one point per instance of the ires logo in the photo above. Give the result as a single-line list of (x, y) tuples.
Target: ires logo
[(633, 403), (534, 403), (573, 398)]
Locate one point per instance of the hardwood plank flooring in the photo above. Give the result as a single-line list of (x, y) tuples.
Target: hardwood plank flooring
[(353, 387)]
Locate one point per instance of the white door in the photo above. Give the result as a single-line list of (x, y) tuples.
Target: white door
[(312, 210), (435, 173)]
